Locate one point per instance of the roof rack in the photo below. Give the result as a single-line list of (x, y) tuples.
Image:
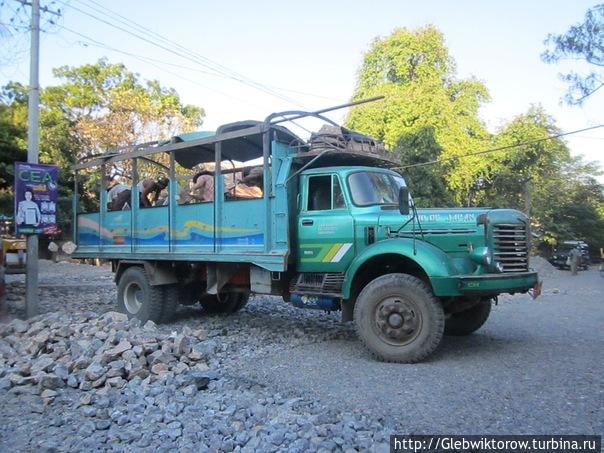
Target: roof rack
[(243, 141)]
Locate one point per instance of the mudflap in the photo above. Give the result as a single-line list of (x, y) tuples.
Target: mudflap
[(536, 291)]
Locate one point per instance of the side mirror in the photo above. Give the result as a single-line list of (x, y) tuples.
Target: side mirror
[(403, 200)]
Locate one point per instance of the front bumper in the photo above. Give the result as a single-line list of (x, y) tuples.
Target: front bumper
[(485, 285)]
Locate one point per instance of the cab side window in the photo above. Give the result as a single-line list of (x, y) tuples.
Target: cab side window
[(324, 193)]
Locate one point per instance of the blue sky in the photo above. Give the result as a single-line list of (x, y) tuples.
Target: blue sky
[(316, 47)]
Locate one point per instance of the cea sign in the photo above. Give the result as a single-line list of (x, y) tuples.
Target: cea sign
[(36, 198)]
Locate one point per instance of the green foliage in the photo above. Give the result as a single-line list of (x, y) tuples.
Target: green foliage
[(108, 107), (13, 132), (96, 107), (583, 213), (584, 41), (539, 161), (428, 115), (428, 182), (11, 137), (415, 73), (564, 197)]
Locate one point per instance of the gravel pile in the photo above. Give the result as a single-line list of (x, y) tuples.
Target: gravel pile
[(81, 377), (88, 352)]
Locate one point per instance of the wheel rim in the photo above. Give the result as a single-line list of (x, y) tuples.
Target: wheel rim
[(397, 321), (133, 298)]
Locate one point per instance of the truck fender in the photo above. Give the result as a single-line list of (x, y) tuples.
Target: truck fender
[(432, 260), (158, 273)]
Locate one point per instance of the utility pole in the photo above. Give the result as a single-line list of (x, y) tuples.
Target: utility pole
[(33, 146), (33, 143)]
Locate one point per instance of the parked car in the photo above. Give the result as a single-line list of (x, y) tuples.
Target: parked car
[(561, 255)]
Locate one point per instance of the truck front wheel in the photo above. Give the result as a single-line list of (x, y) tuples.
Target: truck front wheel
[(399, 319), (137, 298), (468, 321)]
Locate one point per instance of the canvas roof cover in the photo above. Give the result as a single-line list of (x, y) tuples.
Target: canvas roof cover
[(242, 148)]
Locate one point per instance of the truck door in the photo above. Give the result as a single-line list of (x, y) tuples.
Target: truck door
[(325, 226)]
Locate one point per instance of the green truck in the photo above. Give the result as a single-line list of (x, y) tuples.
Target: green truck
[(334, 228)]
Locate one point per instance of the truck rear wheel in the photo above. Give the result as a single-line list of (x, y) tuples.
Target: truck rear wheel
[(399, 319), (137, 298), (226, 303), (468, 321), (170, 303)]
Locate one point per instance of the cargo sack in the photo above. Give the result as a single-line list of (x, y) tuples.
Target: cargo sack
[(335, 137)]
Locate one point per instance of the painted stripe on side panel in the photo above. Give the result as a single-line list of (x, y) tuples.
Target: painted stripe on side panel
[(341, 252), (332, 252)]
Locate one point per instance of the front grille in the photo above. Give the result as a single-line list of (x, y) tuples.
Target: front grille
[(511, 248)]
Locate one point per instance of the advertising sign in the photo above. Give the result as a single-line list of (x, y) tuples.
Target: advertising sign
[(36, 198)]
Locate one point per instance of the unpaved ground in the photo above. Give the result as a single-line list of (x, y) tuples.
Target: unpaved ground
[(299, 380)]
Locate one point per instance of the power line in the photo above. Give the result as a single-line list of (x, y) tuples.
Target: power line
[(15, 27), (19, 23), (129, 22), (148, 60), (220, 68), (169, 72), (185, 53), (144, 59), (501, 148), (152, 33), (588, 137), (44, 9)]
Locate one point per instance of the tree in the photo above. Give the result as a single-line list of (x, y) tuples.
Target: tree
[(429, 182), (13, 131), (424, 105), (430, 116), (583, 41), (582, 216), (110, 107), (539, 161), (565, 198), (96, 107)]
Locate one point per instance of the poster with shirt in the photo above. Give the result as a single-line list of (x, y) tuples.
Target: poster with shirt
[(36, 198)]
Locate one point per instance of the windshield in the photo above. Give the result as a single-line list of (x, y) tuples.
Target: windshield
[(371, 188)]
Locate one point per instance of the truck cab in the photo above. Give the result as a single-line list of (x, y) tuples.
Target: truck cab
[(348, 214), (334, 228)]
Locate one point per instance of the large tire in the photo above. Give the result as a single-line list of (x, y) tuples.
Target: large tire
[(227, 303), (171, 301), (189, 294), (137, 298), (398, 318), (468, 321)]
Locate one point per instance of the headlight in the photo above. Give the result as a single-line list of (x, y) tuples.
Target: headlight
[(482, 255)]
